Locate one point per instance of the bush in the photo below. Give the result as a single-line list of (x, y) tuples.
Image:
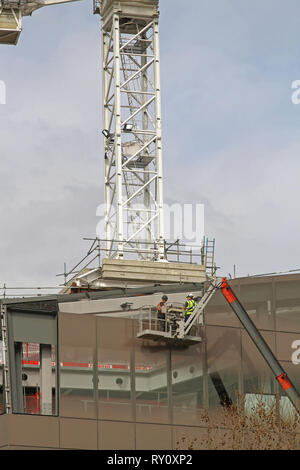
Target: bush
[(259, 424)]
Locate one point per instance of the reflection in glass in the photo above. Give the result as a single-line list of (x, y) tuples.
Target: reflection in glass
[(35, 384), (287, 305), (2, 404), (218, 312), (115, 382), (257, 299), (77, 341), (187, 384), (258, 377), (223, 364), (108, 373), (151, 380)]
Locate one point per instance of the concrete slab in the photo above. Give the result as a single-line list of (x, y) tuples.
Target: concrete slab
[(152, 271)]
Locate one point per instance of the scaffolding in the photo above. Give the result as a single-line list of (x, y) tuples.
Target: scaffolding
[(174, 252)]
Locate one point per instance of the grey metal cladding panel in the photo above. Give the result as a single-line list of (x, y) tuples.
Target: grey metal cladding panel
[(34, 327), (116, 293), (287, 290), (253, 293)]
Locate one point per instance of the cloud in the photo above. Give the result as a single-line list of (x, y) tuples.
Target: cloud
[(37, 239), (230, 132)]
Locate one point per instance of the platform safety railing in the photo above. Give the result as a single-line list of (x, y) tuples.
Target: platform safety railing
[(150, 321)]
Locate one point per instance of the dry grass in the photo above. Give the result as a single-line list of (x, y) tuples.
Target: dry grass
[(257, 426)]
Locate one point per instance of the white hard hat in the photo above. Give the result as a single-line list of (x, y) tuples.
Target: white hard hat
[(190, 295)]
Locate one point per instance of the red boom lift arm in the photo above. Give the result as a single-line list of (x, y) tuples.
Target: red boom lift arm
[(261, 345)]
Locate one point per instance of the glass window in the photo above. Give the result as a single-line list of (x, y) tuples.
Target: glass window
[(258, 377), (257, 299), (115, 378), (223, 364), (187, 384), (218, 312), (39, 378), (77, 347), (2, 404), (152, 365), (288, 346), (33, 378), (256, 401), (287, 305)]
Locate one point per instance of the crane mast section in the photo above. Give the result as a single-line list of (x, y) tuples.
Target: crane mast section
[(132, 128)]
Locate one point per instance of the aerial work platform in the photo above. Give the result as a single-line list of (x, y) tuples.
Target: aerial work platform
[(153, 328), (168, 338), (174, 327)]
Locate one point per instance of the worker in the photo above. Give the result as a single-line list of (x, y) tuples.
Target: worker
[(189, 306), (161, 313)]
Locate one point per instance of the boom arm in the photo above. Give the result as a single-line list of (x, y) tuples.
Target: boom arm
[(261, 345), (184, 329)]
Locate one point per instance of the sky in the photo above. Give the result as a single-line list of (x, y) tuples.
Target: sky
[(231, 133)]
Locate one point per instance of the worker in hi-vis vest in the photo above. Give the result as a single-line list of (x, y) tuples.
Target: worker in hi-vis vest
[(189, 307)]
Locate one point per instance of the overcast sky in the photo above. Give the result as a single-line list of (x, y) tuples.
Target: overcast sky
[(231, 133)]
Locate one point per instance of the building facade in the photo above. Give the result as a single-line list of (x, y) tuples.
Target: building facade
[(80, 378)]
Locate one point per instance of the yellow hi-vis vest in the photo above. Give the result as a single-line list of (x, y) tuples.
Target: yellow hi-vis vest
[(191, 304)]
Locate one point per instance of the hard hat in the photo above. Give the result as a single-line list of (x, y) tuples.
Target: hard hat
[(164, 297), (189, 295)]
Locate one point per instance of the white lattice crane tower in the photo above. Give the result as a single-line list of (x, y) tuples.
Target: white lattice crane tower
[(132, 128)]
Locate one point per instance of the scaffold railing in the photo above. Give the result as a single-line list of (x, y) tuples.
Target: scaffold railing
[(9, 291), (175, 252), (166, 325)]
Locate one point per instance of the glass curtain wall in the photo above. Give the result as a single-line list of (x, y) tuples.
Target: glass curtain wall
[(152, 380), (77, 356), (2, 401), (108, 373), (115, 368), (188, 370)]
